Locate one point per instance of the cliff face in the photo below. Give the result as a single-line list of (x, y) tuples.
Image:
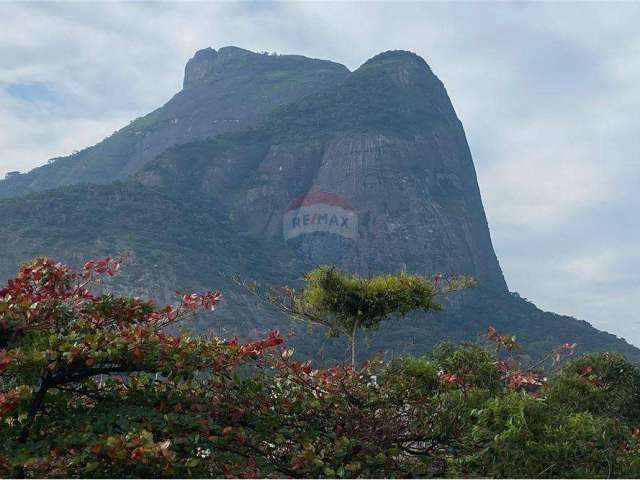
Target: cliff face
[(380, 150), (387, 140), (224, 90)]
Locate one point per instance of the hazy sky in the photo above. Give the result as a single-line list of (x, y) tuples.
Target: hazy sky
[(549, 94)]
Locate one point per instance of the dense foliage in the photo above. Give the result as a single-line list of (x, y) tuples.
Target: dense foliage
[(93, 385)]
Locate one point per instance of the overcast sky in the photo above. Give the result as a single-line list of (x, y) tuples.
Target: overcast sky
[(549, 94)]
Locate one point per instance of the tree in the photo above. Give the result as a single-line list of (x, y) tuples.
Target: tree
[(90, 373), (346, 304), (59, 330)]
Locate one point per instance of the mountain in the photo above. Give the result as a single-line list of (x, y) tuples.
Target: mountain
[(224, 90), (386, 139), (380, 151)]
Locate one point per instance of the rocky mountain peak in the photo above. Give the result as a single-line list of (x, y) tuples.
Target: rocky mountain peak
[(395, 90), (208, 61), (237, 52), (237, 63), (224, 90), (386, 139), (402, 67), (199, 66), (397, 57)]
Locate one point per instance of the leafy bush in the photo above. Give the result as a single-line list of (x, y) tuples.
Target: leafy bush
[(93, 385), (517, 435), (598, 383)]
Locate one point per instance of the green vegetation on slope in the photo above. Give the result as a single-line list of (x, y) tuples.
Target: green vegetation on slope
[(200, 247)]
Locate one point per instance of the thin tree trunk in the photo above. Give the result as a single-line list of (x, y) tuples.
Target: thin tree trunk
[(353, 344)]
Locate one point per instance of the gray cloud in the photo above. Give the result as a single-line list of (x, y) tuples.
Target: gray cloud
[(548, 94)]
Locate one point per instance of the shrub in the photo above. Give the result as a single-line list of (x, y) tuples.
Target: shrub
[(598, 383)]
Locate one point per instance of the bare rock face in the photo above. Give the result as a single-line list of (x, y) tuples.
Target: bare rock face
[(387, 140), (414, 211), (199, 67), (225, 90)]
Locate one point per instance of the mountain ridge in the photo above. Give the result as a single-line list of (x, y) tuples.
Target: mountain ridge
[(235, 93), (384, 137)]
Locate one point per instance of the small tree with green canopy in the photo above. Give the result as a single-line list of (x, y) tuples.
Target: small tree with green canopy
[(348, 303)]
